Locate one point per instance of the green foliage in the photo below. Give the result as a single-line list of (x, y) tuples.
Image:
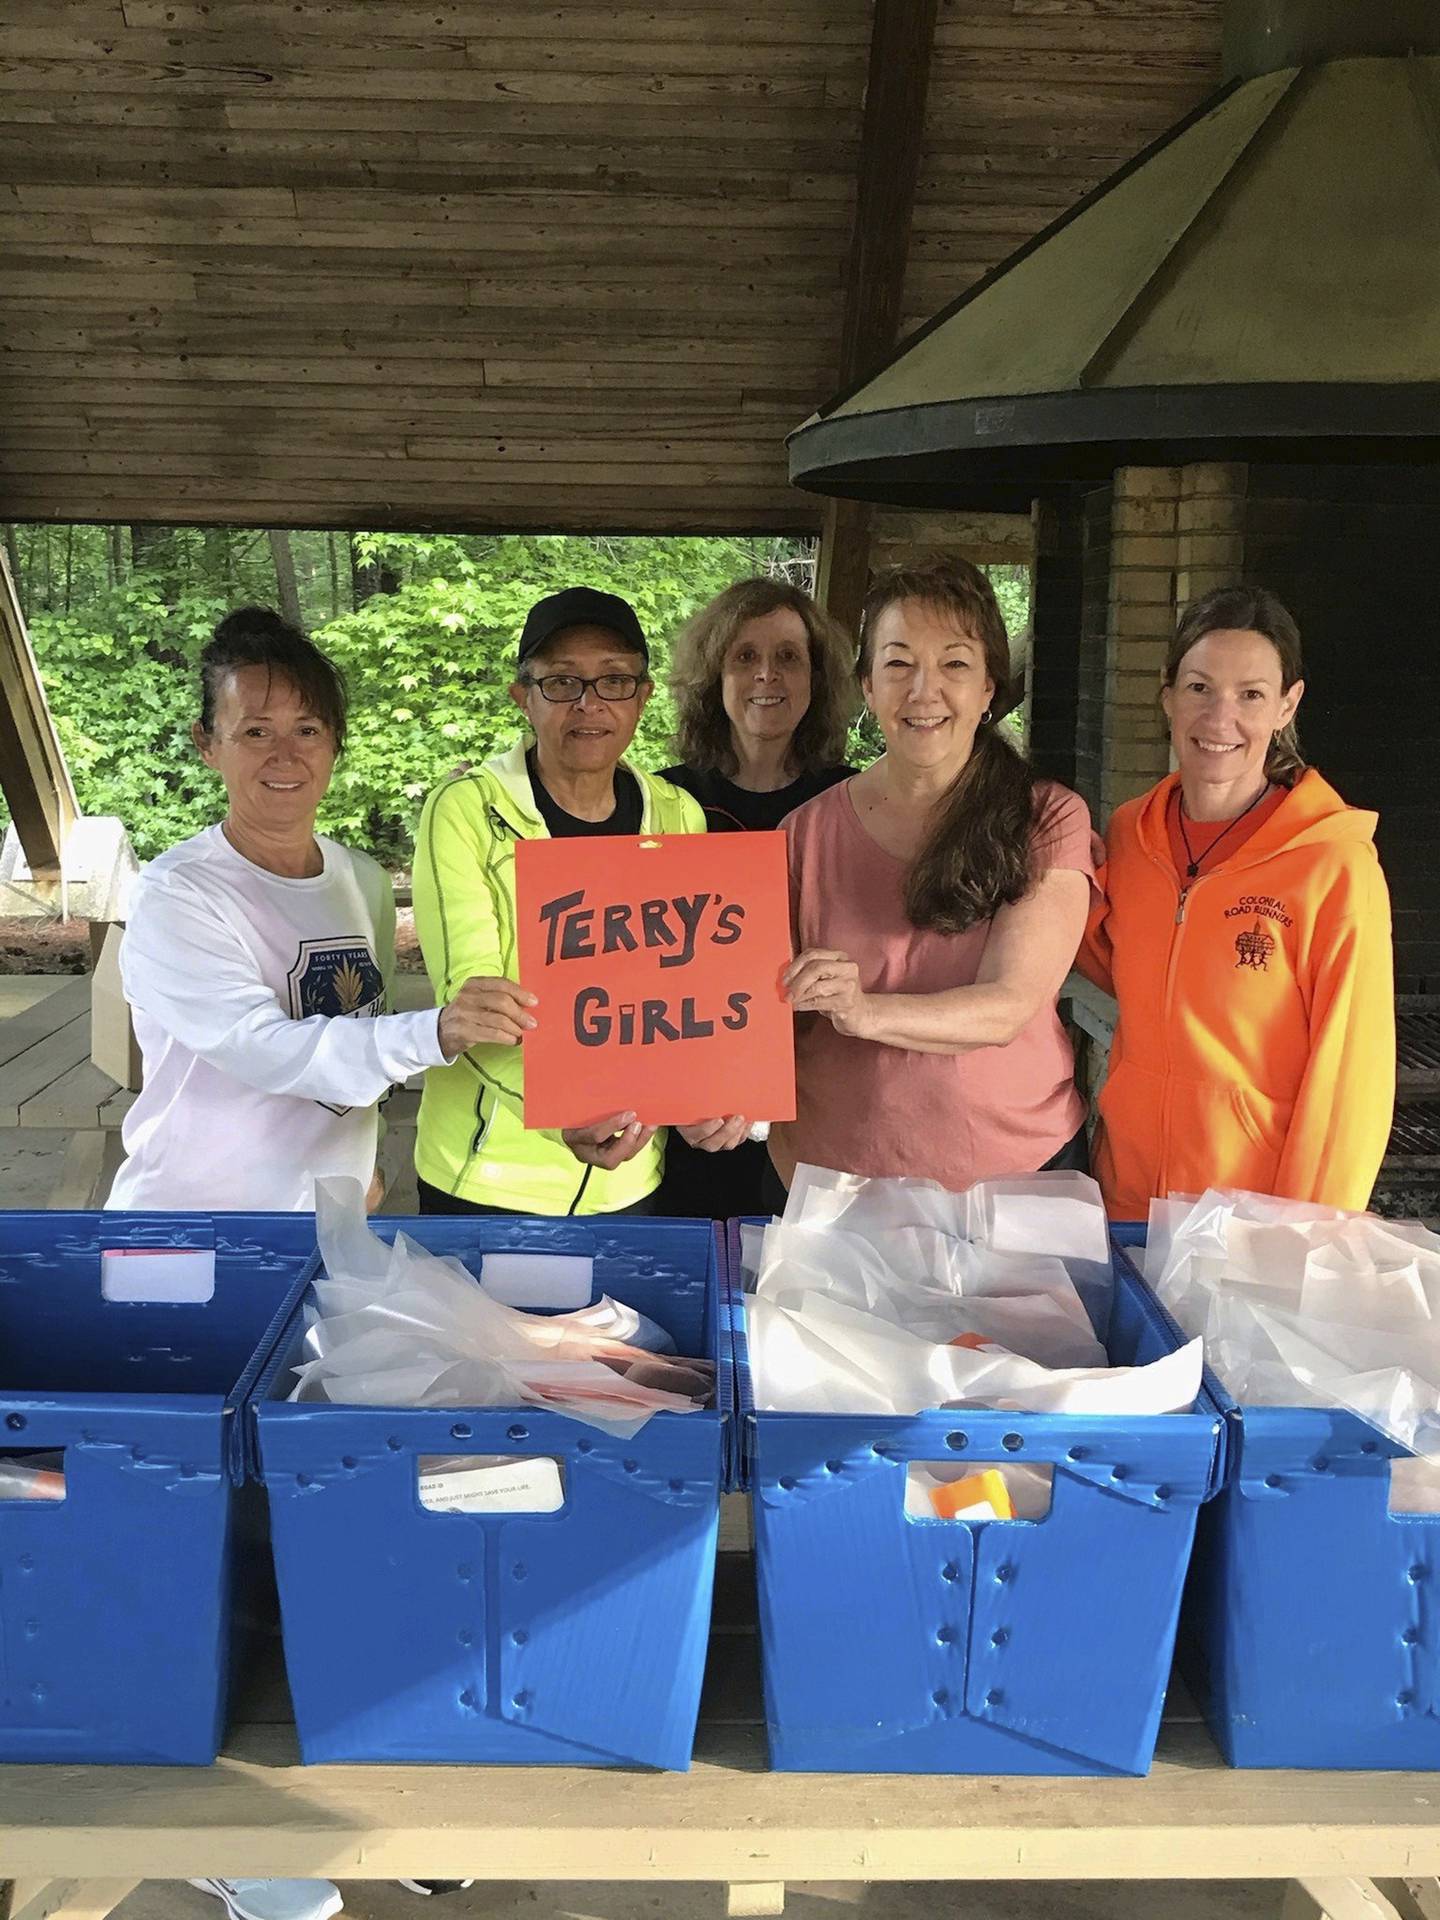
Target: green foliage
[(429, 665)]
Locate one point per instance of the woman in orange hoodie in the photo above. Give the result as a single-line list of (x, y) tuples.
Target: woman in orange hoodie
[(1246, 935)]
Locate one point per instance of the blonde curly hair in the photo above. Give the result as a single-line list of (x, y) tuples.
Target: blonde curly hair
[(703, 738)]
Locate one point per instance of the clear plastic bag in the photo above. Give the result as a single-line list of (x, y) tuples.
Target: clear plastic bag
[(1309, 1306), (399, 1326), (893, 1296)]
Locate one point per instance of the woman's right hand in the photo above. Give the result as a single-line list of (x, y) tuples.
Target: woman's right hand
[(486, 1013)]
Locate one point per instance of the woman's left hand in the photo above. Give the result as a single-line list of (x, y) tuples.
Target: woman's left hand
[(822, 981), (716, 1136)]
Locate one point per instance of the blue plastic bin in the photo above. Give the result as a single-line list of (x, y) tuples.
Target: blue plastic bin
[(1310, 1630), (116, 1603), (575, 1638), (892, 1645)]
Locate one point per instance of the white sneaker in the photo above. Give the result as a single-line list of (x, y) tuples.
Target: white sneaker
[(275, 1899), (435, 1886)]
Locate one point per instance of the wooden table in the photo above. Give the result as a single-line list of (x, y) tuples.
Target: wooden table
[(77, 1839)]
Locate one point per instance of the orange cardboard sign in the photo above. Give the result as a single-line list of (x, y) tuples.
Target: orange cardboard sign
[(657, 964)]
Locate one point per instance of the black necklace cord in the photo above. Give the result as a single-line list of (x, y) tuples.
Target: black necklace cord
[(1194, 867)]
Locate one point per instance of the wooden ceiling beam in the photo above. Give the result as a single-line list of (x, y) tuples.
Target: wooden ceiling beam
[(901, 46)]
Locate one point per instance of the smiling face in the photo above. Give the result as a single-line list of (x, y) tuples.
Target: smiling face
[(765, 678), (589, 735), (274, 755), (1225, 707), (926, 684)]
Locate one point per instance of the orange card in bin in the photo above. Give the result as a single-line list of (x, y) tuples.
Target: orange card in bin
[(954, 1499)]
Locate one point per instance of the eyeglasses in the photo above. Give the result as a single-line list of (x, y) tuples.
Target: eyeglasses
[(564, 689)]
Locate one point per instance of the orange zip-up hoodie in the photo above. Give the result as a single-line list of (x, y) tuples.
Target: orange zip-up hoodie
[(1256, 1041)]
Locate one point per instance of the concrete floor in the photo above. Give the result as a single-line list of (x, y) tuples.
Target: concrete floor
[(980, 1900)]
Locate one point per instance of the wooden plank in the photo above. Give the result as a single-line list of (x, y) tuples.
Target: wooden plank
[(33, 775), (472, 85), (462, 333), (421, 162), (68, 1001), (31, 1072), (727, 1820), (754, 1897), (717, 52), (81, 1173), (67, 1899), (113, 1112), (72, 1099), (844, 22), (579, 239), (1335, 1900), (343, 509)]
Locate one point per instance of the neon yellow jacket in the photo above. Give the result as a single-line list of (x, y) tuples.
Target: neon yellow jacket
[(472, 1139)]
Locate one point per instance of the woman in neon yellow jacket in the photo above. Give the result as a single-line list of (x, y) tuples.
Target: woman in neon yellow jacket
[(582, 681)]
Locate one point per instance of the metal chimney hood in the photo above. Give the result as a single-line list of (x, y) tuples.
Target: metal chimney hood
[(1261, 284)]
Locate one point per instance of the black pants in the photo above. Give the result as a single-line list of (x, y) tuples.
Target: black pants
[(436, 1200), (1073, 1157)]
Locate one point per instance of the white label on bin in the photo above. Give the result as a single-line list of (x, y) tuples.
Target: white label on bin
[(481, 1483), (559, 1281), (158, 1276)]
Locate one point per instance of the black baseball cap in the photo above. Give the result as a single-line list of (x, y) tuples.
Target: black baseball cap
[(581, 607)]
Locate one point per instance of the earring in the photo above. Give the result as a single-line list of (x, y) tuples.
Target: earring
[(985, 717)]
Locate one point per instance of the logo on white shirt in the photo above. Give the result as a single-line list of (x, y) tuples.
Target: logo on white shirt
[(339, 979)]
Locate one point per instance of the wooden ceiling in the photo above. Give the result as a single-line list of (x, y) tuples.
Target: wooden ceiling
[(570, 266)]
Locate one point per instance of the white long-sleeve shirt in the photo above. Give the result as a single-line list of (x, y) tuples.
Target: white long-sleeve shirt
[(259, 1005)]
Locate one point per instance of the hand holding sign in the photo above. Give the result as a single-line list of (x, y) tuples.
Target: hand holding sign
[(823, 981), (608, 1143), (658, 964), (486, 1013)]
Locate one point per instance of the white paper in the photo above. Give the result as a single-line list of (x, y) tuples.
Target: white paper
[(158, 1276), (482, 1483), (539, 1280)]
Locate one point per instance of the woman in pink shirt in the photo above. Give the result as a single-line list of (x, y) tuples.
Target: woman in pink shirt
[(938, 900)]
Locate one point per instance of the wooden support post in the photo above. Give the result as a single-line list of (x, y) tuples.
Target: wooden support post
[(1335, 1900), (63, 1899), (33, 774), (754, 1899), (901, 38)]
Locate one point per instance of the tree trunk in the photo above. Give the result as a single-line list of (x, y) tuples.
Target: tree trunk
[(215, 559), (117, 555), (285, 578), (69, 564), (334, 576), (12, 555), (369, 577)]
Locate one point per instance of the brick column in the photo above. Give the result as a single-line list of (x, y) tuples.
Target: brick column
[(1170, 534)]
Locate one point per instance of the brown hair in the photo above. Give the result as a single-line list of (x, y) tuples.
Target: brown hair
[(258, 637), (702, 726), (1249, 610), (977, 856)]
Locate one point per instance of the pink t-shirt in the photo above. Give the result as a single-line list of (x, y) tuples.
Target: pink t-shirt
[(871, 1109)]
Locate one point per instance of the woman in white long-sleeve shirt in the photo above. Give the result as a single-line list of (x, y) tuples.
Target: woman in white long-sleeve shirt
[(257, 961), (258, 956)]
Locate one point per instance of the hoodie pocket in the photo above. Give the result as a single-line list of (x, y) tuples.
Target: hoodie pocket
[(1265, 1122), (1131, 1105)]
